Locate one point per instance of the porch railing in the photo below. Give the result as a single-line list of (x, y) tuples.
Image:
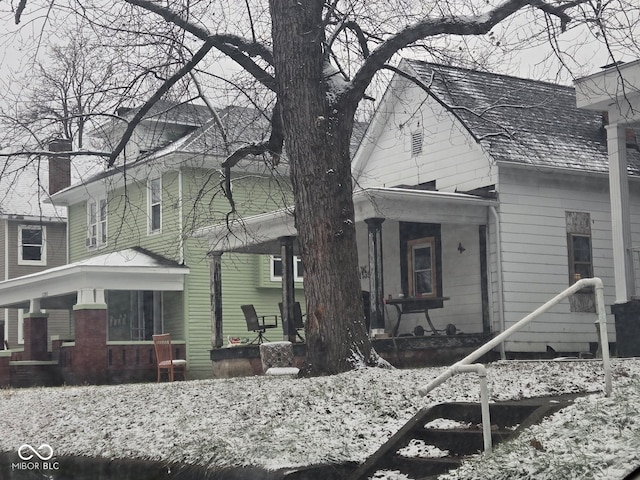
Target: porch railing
[(464, 365)]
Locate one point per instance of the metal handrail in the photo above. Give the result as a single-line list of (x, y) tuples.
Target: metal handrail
[(462, 365)]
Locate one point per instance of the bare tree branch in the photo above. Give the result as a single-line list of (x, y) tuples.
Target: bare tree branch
[(235, 47), (19, 9), (357, 30), (164, 88), (463, 25)]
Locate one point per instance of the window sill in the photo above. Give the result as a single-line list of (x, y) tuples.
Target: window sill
[(32, 263)]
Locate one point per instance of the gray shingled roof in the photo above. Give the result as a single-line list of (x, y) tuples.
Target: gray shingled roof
[(243, 125), (171, 112), (523, 121)]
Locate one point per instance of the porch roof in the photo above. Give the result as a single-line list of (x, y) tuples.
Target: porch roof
[(260, 233), (129, 269)]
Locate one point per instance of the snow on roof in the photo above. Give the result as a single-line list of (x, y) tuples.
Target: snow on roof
[(165, 111), (24, 185), (129, 257), (127, 269), (523, 121)]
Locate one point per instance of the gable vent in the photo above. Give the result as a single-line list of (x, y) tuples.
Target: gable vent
[(416, 143)]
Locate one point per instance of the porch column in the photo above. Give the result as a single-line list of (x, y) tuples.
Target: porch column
[(376, 278), (620, 213), (89, 361), (288, 288), (35, 333), (215, 278)]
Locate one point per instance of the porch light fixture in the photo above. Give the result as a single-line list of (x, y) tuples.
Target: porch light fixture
[(460, 247)]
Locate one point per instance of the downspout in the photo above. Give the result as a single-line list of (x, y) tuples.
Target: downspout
[(180, 219), (6, 275), (496, 218)]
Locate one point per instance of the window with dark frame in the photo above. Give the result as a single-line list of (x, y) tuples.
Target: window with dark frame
[(580, 259), (581, 263), (421, 259)]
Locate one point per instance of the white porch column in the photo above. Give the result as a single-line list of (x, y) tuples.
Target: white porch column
[(620, 213), (90, 296)]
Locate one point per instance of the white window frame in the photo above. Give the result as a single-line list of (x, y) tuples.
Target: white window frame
[(43, 246), (97, 227), (412, 246), (151, 205), (297, 262)]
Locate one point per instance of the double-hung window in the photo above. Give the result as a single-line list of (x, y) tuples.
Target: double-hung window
[(580, 262), (421, 265), (277, 268), (32, 245), (96, 222), (579, 246), (154, 203)]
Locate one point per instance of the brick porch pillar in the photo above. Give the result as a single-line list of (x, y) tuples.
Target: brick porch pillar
[(89, 357), (35, 336), (5, 372)]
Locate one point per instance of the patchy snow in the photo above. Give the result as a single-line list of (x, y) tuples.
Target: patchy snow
[(276, 422), (336, 82), (419, 448), (447, 424)]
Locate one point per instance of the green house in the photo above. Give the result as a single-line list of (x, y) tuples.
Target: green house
[(133, 261)]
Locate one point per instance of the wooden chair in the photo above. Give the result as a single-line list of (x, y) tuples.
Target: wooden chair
[(164, 357), (298, 318), (257, 324)]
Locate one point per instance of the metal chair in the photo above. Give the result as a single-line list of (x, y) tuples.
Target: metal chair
[(298, 318), (257, 324), (164, 356)]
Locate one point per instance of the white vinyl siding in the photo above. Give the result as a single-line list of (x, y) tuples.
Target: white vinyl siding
[(448, 153), (535, 262)]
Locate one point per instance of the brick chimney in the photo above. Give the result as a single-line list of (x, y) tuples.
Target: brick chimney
[(59, 165)]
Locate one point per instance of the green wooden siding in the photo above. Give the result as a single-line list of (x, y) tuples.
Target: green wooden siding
[(203, 204), (173, 314)]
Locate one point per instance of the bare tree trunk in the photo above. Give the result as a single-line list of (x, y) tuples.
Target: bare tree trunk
[(321, 175)]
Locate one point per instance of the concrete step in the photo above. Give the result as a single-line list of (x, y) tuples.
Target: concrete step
[(507, 420)]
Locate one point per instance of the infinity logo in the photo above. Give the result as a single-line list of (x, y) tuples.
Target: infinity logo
[(23, 452)]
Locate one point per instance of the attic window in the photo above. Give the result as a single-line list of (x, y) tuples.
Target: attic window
[(416, 143)]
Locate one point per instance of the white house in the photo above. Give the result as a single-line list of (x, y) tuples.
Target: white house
[(480, 197)]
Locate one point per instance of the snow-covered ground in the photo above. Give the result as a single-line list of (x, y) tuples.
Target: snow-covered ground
[(276, 422)]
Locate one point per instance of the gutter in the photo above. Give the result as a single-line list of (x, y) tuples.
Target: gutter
[(633, 177), (496, 218)]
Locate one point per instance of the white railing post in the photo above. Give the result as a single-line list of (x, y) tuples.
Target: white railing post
[(464, 364), (479, 369), (604, 336)]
